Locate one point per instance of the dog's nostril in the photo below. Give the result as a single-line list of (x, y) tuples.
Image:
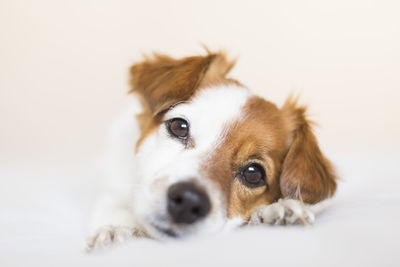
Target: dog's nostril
[(187, 203), (196, 210), (177, 200)]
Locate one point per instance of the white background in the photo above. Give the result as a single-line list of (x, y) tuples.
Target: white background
[(63, 77)]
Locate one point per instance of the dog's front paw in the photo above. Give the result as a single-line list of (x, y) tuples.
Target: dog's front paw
[(283, 212), (109, 235)]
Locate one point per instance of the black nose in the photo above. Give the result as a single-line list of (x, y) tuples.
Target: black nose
[(187, 203)]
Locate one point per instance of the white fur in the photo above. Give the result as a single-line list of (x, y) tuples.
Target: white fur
[(285, 211), (135, 194)]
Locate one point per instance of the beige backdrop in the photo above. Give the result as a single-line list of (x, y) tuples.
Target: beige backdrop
[(63, 64)]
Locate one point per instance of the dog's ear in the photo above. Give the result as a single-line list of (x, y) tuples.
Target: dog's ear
[(306, 173), (163, 81)]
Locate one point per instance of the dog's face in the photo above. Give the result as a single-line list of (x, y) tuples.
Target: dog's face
[(211, 151)]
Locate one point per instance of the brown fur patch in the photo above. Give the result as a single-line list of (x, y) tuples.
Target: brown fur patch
[(306, 173), (162, 81), (259, 136), (280, 141)]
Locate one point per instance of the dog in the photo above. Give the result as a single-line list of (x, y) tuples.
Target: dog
[(198, 153)]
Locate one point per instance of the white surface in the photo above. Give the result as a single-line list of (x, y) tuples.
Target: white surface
[(44, 215)]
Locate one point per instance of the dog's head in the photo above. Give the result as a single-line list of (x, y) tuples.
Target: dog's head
[(210, 151)]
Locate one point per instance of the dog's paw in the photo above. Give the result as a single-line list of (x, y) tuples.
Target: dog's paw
[(107, 236), (283, 212)]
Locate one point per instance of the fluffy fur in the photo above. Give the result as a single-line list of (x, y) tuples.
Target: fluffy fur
[(229, 128)]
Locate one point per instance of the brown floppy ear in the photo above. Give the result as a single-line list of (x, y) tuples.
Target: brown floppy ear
[(306, 173), (163, 81)]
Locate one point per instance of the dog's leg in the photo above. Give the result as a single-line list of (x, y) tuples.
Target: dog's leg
[(283, 212), (112, 223)]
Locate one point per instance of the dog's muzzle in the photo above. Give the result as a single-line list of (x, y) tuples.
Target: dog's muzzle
[(187, 203)]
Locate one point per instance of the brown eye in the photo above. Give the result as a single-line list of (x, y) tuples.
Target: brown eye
[(254, 174), (178, 127)]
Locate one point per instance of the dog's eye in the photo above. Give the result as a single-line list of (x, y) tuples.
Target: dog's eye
[(178, 127), (254, 174)]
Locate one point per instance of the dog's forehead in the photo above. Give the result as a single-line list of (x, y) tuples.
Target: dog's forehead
[(211, 110)]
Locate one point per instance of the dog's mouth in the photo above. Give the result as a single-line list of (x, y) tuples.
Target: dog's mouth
[(162, 226), (164, 230)]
